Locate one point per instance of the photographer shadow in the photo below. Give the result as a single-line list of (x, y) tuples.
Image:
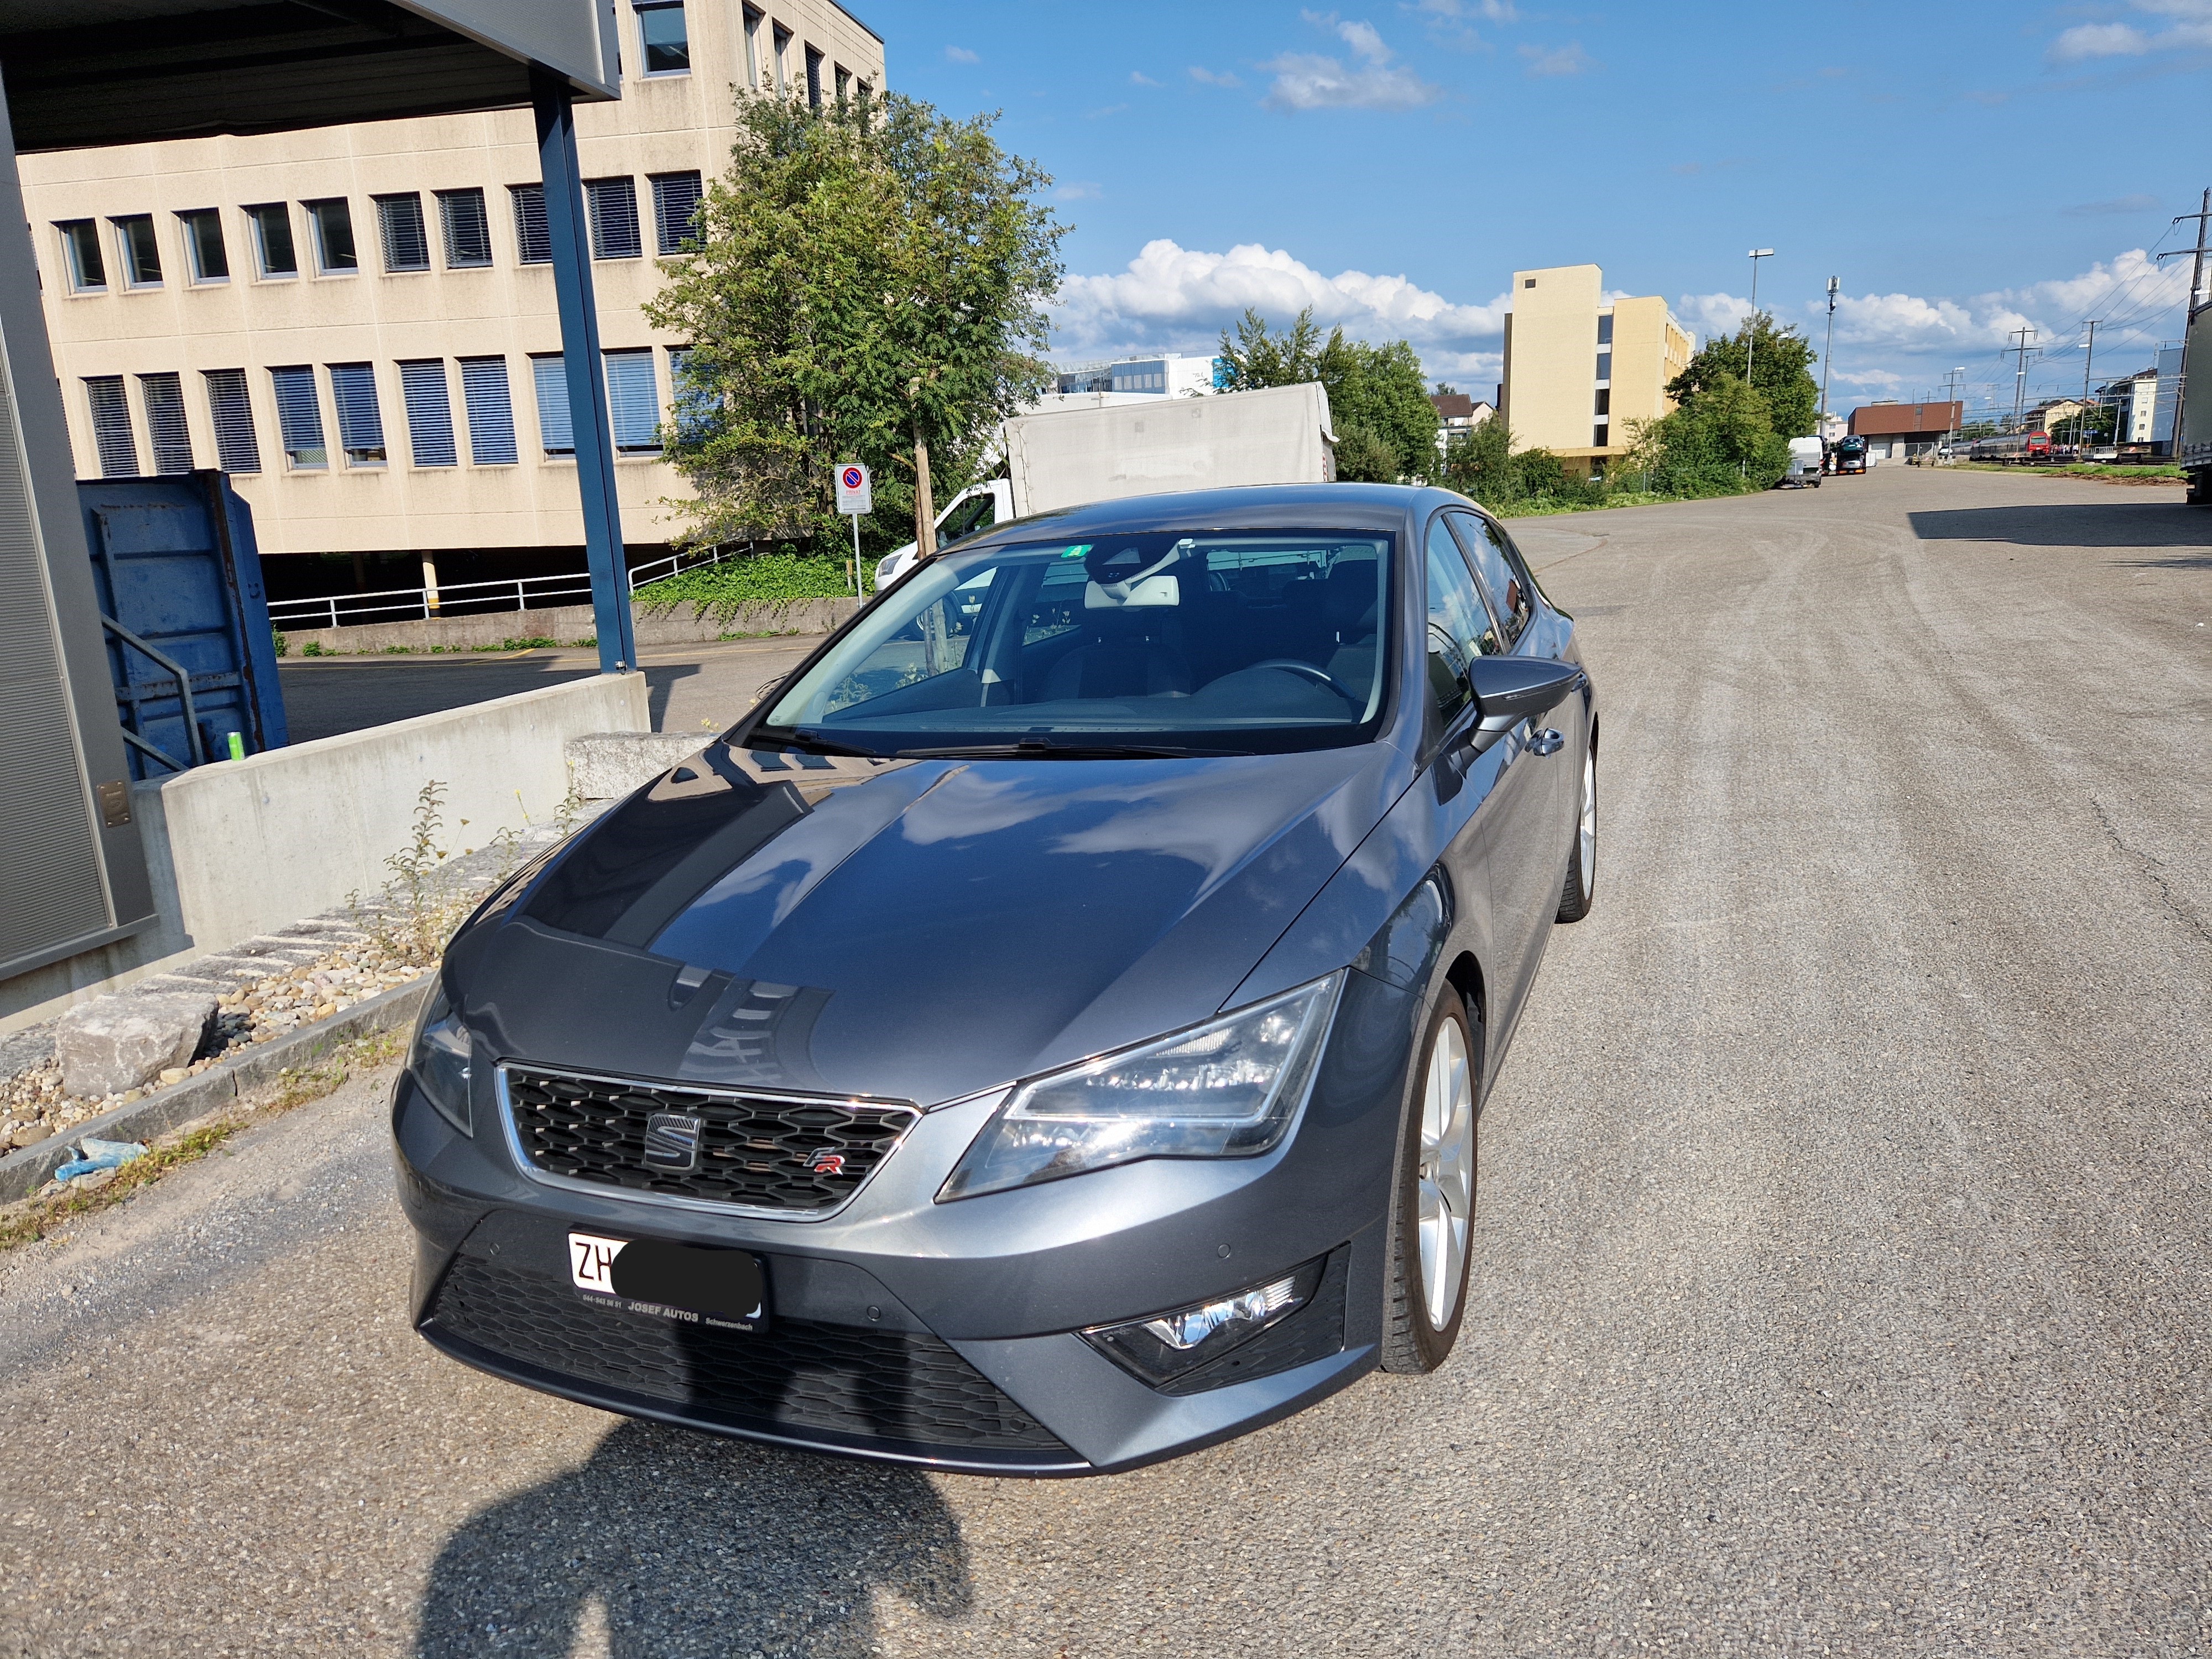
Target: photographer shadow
[(694, 1545)]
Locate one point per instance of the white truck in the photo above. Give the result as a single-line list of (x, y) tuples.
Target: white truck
[(1805, 462), (1070, 457)]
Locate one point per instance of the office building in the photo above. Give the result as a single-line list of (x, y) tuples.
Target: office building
[(1171, 374), (1897, 431), (1581, 370), (357, 322)]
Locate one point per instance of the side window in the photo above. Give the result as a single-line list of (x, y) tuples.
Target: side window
[(1460, 629), (935, 642), (970, 516), (1501, 577)]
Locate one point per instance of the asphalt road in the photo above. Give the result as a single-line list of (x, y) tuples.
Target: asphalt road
[(1842, 1253)]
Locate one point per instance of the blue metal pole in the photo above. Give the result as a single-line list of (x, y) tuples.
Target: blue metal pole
[(587, 385)]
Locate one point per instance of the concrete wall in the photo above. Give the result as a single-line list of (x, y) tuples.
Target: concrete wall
[(569, 623)]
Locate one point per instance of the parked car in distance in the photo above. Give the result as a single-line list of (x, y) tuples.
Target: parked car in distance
[(1850, 455), (1047, 1035)]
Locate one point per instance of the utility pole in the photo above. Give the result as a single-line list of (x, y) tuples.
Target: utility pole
[(2019, 374), (2189, 307), (1951, 398), (2081, 421), (1751, 328), (1828, 351)]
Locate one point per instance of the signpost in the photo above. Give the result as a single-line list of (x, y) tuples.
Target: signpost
[(854, 495)]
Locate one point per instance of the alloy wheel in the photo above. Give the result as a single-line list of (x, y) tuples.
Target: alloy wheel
[(1587, 829), (1445, 1184)]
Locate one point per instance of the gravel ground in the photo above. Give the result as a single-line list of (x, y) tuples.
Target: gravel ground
[(1841, 1280)]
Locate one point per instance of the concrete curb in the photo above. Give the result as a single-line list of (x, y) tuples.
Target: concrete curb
[(24, 1172)]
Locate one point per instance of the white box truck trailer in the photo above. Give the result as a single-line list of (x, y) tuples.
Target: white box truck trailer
[(1070, 457)]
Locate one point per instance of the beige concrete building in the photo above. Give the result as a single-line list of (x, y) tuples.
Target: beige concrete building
[(358, 322), (1580, 368)]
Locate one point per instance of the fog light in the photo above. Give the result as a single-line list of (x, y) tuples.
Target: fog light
[(1168, 1346)]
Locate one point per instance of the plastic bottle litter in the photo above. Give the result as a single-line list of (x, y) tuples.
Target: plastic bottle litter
[(95, 1155)]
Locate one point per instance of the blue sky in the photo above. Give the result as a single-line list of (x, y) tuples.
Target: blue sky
[(1964, 167)]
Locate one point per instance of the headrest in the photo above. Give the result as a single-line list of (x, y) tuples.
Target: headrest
[(1348, 596), (1123, 579)]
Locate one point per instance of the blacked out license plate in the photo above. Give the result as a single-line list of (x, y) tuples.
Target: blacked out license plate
[(691, 1283)]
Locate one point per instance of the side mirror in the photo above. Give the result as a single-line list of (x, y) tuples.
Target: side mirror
[(1510, 689)]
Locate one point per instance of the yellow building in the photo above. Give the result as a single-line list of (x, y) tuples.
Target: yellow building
[(357, 323), (1580, 369)]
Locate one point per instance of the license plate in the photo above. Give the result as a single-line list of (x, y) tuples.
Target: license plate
[(688, 1283)]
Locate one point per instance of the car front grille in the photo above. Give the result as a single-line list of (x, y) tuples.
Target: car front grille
[(863, 1387), (788, 1157)]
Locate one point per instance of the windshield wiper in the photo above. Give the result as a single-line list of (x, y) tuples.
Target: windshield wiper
[(1042, 749), (792, 737)]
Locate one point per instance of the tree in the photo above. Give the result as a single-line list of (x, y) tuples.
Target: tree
[(1718, 440), (1780, 370), (2092, 425), (867, 284), (1385, 425)]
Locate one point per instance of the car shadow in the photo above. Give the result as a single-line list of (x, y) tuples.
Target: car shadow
[(2120, 523), (690, 1544)]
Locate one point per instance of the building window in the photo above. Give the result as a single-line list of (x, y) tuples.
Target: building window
[(334, 249), (675, 210), (665, 43), (844, 79), (867, 90), (781, 37), (752, 18), (429, 413), (360, 422), (1605, 328), (1598, 435), (142, 253), (491, 412), (533, 241), (300, 419), (633, 401), (231, 413), (1604, 402), (165, 428), (111, 426), (813, 79), (272, 239), (550, 374), (691, 404), (1527, 282), (399, 225), (210, 259), (1605, 365), (611, 205), (467, 227), (87, 272)]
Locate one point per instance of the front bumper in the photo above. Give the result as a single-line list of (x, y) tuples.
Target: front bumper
[(939, 1334)]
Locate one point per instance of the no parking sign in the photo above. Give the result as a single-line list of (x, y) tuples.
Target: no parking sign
[(853, 488)]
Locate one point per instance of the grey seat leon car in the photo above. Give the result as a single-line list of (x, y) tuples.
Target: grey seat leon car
[(1047, 1035)]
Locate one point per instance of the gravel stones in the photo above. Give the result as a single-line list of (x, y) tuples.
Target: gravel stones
[(119, 1042)]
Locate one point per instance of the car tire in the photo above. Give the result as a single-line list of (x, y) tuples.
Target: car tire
[(1432, 1197), (1578, 893)]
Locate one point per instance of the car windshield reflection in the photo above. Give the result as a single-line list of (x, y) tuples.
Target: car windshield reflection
[(1162, 641)]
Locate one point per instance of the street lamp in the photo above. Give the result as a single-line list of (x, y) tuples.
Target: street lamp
[(1826, 351), (1751, 337)]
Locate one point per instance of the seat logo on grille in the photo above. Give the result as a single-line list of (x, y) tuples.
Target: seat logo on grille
[(671, 1141)]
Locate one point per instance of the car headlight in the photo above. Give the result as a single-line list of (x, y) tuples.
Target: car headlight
[(438, 1058), (1229, 1089)]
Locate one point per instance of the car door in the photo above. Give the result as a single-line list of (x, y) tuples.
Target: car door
[(1540, 763)]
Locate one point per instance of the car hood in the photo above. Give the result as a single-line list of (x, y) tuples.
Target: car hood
[(911, 930)]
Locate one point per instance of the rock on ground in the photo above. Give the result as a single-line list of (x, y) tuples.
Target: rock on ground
[(124, 1042)]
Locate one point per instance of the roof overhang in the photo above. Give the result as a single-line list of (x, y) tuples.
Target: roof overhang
[(81, 73)]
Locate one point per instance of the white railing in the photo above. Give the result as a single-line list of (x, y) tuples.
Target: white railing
[(471, 599)]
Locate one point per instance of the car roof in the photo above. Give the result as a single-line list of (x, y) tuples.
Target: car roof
[(1255, 507)]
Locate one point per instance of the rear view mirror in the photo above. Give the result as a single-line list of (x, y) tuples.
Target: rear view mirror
[(1510, 689)]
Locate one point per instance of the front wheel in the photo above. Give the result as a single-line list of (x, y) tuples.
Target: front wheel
[(1579, 892), (1433, 1204)]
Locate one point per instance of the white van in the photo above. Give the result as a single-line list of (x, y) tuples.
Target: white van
[(1804, 463)]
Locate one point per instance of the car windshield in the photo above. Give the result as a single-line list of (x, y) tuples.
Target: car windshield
[(1176, 641)]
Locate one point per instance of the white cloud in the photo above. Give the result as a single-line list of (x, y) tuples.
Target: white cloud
[(2190, 27), (1495, 11), (960, 54), (1305, 80), (1570, 59), (1177, 297), (1077, 191), (1209, 77), (1138, 78)]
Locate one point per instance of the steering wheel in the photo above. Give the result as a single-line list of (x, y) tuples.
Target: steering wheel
[(1319, 677)]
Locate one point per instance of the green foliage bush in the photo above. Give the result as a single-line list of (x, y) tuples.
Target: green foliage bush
[(719, 591)]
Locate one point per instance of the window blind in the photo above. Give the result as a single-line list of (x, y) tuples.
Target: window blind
[(429, 413), (300, 418), (406, 243), (611, 204), (675, 207), (491, 412), (236, 447), (171, 439), (360, 422), (468, 230), (111, 426), (532, 237), (632, 400), (554, 431)]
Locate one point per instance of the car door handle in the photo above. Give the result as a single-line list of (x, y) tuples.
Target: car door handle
[(1547, 742)]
